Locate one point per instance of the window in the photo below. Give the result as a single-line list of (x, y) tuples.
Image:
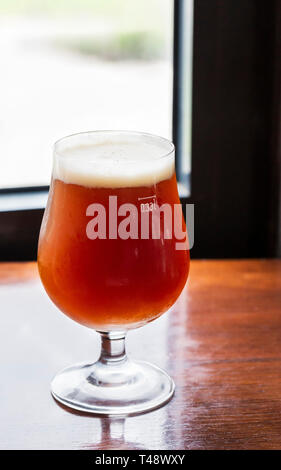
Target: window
[(69, 66), (72, 65)]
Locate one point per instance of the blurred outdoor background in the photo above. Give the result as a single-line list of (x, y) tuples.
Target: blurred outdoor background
[(77, 65)]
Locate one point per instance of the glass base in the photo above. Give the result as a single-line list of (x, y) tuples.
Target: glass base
[(122, 389)]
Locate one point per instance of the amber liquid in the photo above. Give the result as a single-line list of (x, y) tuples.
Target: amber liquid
[(108, 284)]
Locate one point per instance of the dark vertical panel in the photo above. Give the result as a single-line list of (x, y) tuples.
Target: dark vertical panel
[(232, 122), (274, 233)]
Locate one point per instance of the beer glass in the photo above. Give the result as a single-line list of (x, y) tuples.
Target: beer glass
[(109, 257)]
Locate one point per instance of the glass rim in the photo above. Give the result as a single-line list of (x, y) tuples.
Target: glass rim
[(155, 137)]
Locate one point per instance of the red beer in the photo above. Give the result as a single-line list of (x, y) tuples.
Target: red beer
[(109, 284)]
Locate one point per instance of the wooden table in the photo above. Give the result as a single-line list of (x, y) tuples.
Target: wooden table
[(221, 343)]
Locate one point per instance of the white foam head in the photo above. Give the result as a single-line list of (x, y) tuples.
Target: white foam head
[(112, 159)]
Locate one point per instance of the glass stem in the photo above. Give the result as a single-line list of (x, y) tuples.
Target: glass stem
[(113, 350)]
